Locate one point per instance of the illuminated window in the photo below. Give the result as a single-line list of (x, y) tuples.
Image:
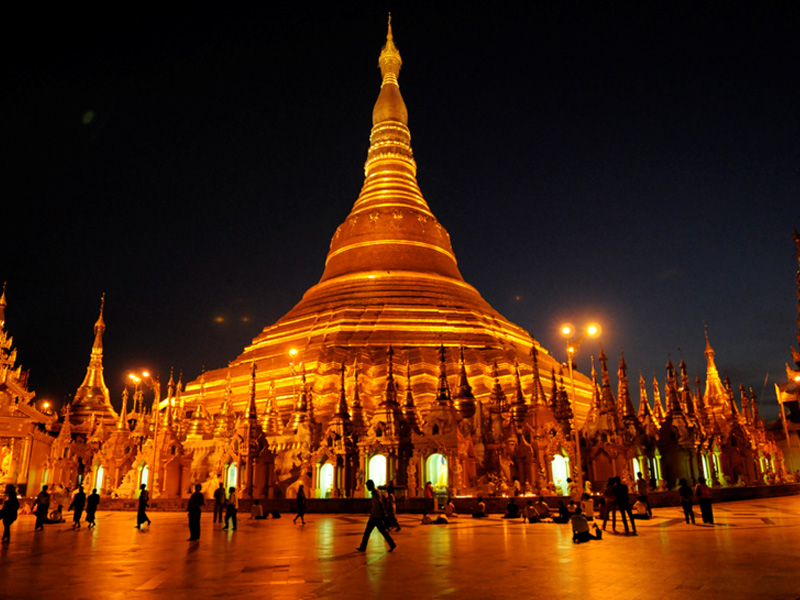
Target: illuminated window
[(560, 467), (326, 480), (436, 468), (377, 469), (704, 467), (637, 467)]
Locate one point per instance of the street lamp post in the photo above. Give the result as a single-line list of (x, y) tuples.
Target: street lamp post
[(567, 330)]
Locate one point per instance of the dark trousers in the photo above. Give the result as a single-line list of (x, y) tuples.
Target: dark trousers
[(610, 510), (688, 513), (41, 517), (372, 524), (194, 524), (646, 501), (230, 515), (6, 530), (218, 511), (706, 511), (625, 509)]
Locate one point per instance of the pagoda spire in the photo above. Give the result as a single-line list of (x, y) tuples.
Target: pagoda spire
[(122, 423), (537, 392), (390, 393), (341, 408), (644, 403), (391, 227), (519, 407), (93, 396), (658, 408), (623, 391), (3, 305), (410, 413), (357, 415), (443, 397), (463, 397)]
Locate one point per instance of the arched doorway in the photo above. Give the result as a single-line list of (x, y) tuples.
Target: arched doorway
[(560, 466), (437, 471), (376, 469), (98, 478), (231, 476), (326, 480)]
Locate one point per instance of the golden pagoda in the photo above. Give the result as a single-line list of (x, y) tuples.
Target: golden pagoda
[(390, 278), (93, 398)]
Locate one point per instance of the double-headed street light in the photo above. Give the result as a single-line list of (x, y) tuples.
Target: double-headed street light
[(568, 330)]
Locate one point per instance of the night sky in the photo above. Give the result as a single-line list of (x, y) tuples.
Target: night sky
[(632, 164)]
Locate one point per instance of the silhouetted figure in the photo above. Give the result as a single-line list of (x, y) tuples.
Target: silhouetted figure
[(76, 506), (703, 493), (41, 507), (92, 502), (219, 503), (642, 488), (542, 508), (301, 505), (196, 501), (624, 504), (563, 515), (512, 510), (529, 514), (231, 509), (144, 500), (10, 511), (481, 512), (610, 507), (377, 515), (685, 493), (428, 492), (56, 515)]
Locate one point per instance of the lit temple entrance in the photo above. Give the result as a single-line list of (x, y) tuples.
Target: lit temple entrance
[(144, 476), (98, 478), (231, 476), (326, 480), (560, 467), (436, 468), (377, 469)]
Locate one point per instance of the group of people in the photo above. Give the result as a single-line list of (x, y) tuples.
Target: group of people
[(703, 493), (229, 504)]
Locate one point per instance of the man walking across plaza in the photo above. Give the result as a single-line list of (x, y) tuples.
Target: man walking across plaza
[(196, 501), (219, 503), (77, 504), (231, 509), (377, 515), (92, 502)]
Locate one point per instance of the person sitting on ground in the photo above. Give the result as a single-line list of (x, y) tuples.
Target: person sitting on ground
[(571, 506), (639, 510), (440, 520), (257, 511), (56, 515), (512, 510), (563, 515), (529, 514), (542, 508), (450, 509), (426, 520), (580, 528), (481, 512), (587, 507)]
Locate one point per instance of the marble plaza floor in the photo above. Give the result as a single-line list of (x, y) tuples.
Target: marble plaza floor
[(753, 551)]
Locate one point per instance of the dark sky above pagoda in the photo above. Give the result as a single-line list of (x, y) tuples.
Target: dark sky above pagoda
[(634, 165)]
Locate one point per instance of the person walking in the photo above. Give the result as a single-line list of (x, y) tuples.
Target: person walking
[(92, 502), (642, 488), (219, 503), (10, 511), (76, 506), (685, 493), (301, 505), (196, 501), (231, 508), (703, 493), (41, 508), (377, 515), (624, 504), (144, 500)]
